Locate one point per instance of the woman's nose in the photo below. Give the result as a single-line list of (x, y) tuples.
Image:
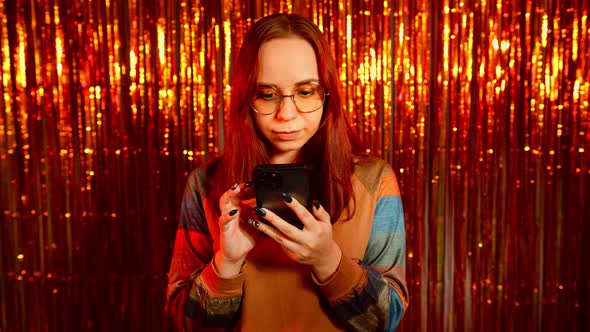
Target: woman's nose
[(287, 109)]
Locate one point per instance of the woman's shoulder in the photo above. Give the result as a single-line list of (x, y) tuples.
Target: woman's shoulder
[(371, 164), (201, 176), (371, 170)]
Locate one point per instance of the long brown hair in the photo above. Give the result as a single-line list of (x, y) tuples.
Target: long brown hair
[(329, 152)]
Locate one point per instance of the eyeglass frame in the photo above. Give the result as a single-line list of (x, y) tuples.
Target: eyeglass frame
[(292, 96)]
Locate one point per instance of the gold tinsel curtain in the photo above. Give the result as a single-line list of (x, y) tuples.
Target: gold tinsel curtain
[(482, 107)]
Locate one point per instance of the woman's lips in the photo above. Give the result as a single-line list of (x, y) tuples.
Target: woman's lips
[(288, 135)]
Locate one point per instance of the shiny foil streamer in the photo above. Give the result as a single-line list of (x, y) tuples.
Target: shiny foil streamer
[(482, 107)]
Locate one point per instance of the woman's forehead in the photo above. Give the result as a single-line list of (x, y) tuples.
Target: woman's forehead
[(285, 62)]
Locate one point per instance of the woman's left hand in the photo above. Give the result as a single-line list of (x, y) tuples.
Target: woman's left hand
[(313, 245)]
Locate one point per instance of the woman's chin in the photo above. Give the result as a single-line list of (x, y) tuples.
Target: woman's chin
[(285, 153)]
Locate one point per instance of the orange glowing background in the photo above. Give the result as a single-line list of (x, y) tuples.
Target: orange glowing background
[(482, 108)]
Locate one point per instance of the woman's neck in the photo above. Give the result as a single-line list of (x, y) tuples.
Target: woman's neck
[(287, 157)]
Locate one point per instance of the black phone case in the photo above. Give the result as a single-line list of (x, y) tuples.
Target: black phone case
[(271, 180)]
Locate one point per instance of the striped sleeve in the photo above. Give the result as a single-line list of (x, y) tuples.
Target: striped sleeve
[(379, 297), (385, 259), (198, 299)]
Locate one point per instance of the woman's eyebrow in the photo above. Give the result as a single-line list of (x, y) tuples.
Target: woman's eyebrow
[(295, 84)]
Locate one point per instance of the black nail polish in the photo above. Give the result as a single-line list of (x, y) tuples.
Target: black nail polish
[(233, 212), (316, 204), (260, 211), (287, 198), (248, 184), (234, 187), (253, 222)]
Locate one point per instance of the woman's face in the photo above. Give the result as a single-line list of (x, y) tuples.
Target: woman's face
[(289, 65)]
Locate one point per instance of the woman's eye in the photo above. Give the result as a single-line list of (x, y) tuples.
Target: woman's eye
[(266, 95), (305, 93)]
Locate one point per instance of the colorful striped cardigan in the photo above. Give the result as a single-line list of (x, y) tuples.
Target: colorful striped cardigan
[(368, 292)]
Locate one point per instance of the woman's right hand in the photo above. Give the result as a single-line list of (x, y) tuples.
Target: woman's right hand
[(236, 238)]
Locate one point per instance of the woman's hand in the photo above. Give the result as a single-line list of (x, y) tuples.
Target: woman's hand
[(236, 238), (313, 245)]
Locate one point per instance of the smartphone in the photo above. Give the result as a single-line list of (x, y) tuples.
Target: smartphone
[(272, 180)]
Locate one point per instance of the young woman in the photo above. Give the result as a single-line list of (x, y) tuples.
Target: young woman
[(345, 269)]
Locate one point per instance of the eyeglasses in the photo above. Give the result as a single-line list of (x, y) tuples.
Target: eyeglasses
[(308, 97)]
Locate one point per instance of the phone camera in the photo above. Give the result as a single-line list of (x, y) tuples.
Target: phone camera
[(275, 180)]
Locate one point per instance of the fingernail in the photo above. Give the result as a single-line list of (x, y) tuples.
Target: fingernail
[(253, 222), (234, 187), (233, 212), (316, 204), (287, 198), (248, 184), (260, 211)]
